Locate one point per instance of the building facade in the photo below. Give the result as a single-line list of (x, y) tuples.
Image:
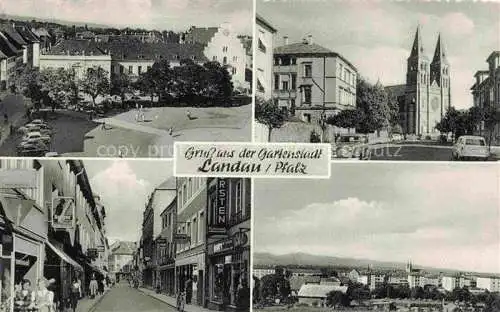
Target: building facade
[(166, 259), (486, 92), (228, 243), (264, 57), (121, 254), (312, 82), (426, 96), (191, 225), (492, 284)]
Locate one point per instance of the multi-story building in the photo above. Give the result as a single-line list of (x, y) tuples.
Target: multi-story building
[(492, 284), (261, 272), (134, 57), (121, 255), (311, 81), (161, 198), (78, 55), (425, 98), (11, 58), (223, 45), (264, 57), (486, 92), (228, 242), (190, 252), (166, 260), (32, 47), (147, 245)]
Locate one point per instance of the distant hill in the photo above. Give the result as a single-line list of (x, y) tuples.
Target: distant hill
[(52, 20), (307, 260)]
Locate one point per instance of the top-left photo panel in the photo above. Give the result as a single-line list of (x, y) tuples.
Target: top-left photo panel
[(128, 78)]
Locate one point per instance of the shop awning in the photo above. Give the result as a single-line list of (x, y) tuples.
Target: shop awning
[(64, 256), (97, 269)]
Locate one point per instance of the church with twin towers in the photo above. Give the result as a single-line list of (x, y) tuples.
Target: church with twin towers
[(425, 97)]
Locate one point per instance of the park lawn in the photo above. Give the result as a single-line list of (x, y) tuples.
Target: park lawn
[(202, 117)]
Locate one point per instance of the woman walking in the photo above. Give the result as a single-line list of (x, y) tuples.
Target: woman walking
[(181, 301), (75, 293), (93, 287), (44, 298)]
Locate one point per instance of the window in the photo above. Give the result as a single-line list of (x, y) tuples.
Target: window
[(201, 231), (224, 60), (235, 58), (184, 194), (341, 69), (214, 58), (276, 81), (190, 187), (294, 61), (307, 94), (284, 85), (294, 81), (130, 69), (233, 71), (139, 69), (307, 70), (224, 49), (194, 236), (276, 61), (121, 69)]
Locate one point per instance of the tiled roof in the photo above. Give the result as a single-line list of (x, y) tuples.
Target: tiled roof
[(296, 282), (13, 35), (75, 47), (302, 48), (319, 291), (2, 56), (27, 34), (201, 35), (7, 47), (136, 50), (41, 32)]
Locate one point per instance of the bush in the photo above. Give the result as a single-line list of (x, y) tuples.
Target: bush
[(428, 137), (443, 138)]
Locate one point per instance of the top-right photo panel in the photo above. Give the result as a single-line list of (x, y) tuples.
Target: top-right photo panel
[(380, 80)]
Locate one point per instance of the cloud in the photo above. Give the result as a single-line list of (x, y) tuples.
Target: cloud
[(457, 24), (123, 195)]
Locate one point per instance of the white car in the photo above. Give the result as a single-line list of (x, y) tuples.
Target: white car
[(470, 147), (38, 122), (36, 135), (29, 128)]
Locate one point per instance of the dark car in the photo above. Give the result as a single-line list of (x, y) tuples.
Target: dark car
[(350, 146), (32, 150)]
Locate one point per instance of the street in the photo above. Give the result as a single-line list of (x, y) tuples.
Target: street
[(124, 298), (410, 152)]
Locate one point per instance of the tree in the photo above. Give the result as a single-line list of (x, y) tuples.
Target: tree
[(57, 86), (491, 120), (30, 85), (378, 110), (219, 86), (270, 115), (336, 299), (454, 121), (95, 83), (120, 84), (348, 118)]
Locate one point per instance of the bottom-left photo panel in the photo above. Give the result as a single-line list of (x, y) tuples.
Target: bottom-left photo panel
[(121, 235)]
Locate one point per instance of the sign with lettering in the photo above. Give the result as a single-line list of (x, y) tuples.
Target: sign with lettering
[(63, 213), (181, 238), (225, 245), (221, 205)]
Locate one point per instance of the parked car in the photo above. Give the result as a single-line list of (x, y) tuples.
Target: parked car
[(350, 146), (32, 147), (396, 137), (29, 128), (37, 136), (38, 122), (470, 147)]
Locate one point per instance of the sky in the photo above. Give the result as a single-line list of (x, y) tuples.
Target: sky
[(152, 14), (440, 215), (377, 36), (124, 186)]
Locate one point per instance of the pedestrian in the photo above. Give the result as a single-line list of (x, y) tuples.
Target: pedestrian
[(170, 130), (181, 301), (75, 293), (5, 118), (188, 114), (189, 290), (44, 298), (80, 290), (100, 285), (103, 125), (93, 287)]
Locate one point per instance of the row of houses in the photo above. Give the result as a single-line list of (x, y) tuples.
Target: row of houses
[(52, 226), (133, 56), (196, 238)]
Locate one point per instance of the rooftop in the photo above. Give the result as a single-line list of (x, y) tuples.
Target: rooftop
[(13, 35), (27, 34), (6, 46), (201, 35), (135, 50), (75, 47), (319, 291), (123, 248), (260, 20)]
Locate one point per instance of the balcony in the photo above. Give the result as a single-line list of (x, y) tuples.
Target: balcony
[(285, 68), (285, 94)]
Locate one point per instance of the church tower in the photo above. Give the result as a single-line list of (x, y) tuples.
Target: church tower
[(440, 84), (417, 82)]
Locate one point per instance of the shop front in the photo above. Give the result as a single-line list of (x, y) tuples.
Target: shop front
[(23, 241), (228, 265), (167, 279), (189, 272)]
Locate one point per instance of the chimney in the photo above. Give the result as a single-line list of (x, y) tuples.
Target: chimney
[(285, 40), (310, 39)]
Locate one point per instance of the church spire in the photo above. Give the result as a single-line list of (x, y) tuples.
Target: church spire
[(418, 48), (439, 53)]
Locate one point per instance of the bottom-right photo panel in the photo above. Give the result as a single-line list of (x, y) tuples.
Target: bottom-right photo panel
[(385, 236)]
